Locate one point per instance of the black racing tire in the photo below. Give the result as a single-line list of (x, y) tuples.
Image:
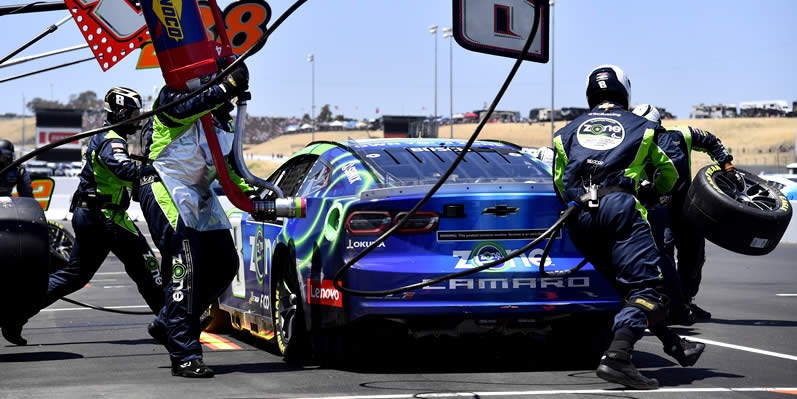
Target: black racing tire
[(750, 221), (61, 242), (25, 258), (287, 311)]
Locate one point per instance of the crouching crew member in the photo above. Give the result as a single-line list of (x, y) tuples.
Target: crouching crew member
[(600, 155), (16, 177), (186, 220), (100, 219)]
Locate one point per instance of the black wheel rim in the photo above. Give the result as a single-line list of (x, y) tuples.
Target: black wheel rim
[(754, 194), (286, 311), (59, 241)]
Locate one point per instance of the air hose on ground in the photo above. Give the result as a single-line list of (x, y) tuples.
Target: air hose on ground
[(550, 232), (104, 309)]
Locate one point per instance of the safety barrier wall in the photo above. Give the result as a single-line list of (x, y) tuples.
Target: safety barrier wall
[(65, 187)]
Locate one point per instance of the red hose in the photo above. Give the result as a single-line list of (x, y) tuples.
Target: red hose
[(233, 192)]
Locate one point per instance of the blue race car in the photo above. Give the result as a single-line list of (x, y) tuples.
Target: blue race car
[(497, 200)]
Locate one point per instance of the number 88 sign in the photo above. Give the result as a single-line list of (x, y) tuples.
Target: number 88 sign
[(246, 22)]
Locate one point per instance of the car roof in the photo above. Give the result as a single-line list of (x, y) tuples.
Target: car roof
[(425, 142)]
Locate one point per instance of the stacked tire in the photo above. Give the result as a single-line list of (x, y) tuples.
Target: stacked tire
[(24, 257), (749, 220)]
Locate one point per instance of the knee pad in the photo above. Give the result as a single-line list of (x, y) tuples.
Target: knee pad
[(656, 311)]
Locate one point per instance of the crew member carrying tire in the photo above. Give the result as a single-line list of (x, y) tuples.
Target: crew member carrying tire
[(18, 177), (599, 158), (186, 220), (100, 219), (675, 230)]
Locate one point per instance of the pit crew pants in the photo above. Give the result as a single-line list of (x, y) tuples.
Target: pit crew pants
[(197, 266), (675, 232), (617, 240), (95, 237), (659, 219)]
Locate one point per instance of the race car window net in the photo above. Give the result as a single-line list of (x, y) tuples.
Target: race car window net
[(410, 166), (317, 179)]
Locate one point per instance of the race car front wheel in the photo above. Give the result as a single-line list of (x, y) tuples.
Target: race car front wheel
[(749, 220), (288, 315)]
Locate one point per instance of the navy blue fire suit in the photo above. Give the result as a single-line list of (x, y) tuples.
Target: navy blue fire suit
[(187, 223), (16, 177), (609, 147), (101, 224), (675, 231)]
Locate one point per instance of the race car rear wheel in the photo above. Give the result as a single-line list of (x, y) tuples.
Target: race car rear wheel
[(288, 315), (61, 241), (749, 220)]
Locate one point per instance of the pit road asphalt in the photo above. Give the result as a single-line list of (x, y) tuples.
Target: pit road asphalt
[(80, 353)]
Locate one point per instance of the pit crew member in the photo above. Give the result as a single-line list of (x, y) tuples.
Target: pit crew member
[(676, 232), (18, 177), (598, 159), (186, 220), (100, 219)]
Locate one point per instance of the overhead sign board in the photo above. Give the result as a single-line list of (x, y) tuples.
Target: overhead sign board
[(501, 27)]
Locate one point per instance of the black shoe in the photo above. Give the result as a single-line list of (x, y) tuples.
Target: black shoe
[(699, 313), (617, 367), (192, 369), (684, 317), (685, 352), (13, 333), (157, 332)]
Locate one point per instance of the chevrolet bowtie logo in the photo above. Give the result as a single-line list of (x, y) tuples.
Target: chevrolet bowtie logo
[(500, 210)]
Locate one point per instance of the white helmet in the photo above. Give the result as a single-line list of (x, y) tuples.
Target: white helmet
[(648, 112), (608, 83)]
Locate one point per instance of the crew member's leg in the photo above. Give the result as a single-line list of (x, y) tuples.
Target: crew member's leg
[(132, 249), (89, 250)]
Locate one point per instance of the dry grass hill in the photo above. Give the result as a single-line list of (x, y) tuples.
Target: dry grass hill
[(753, 141)]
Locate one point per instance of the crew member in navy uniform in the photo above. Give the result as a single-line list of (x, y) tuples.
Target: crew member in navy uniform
[(15, 177), (674, 230), (100, 218), (599, 158)]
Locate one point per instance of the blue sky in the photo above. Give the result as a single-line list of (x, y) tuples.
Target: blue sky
[(378, 53)]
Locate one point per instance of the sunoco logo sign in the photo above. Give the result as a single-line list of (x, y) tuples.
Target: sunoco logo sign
[(169, 12), (323, 293)]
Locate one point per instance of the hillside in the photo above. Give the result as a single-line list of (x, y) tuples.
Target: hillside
[(11, 129)]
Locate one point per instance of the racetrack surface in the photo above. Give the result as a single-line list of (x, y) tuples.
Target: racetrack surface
[(79, 353)]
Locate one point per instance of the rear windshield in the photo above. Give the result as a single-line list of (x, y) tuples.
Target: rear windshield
[(405, 166)]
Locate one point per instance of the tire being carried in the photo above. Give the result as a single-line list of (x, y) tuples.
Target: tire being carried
[(749, 220)]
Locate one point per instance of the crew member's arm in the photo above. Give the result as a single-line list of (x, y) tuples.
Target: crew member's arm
[(670, 160), (559, 163), (704, 141), (113, 153), (24, 185)]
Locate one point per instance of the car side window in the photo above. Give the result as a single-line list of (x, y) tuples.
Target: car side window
[(317, 179), (291, 175)]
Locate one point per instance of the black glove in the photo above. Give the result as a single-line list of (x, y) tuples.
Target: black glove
[(733, 175), (647, 194), (237, 81)]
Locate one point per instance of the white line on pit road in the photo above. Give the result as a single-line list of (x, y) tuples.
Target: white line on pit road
[(106, 307), (785, 294), (742, 348), (475, 394), (116, 286), (108, 273)]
